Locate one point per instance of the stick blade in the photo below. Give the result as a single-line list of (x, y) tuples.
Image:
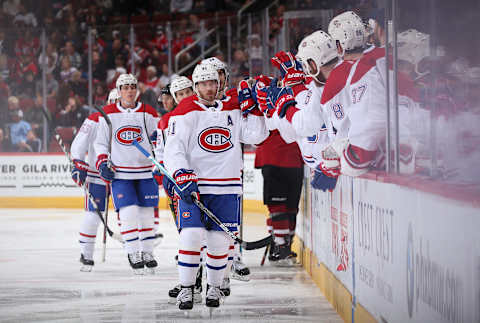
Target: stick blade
[(257, 244)]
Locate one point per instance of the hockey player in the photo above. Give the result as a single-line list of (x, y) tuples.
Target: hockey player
[(134, 191), (204, 137), (235, 267), (179, 89), (84, 173)]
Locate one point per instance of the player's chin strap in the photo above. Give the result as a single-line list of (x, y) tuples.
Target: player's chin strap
[(247, 245)]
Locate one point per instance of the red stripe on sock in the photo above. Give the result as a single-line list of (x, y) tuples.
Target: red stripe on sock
[(87, 235), (130, 231), (187, 252), (147, 229), (217, 257)]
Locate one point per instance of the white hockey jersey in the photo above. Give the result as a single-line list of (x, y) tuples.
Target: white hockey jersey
[(82, 147), (208, 141), (127, 125)]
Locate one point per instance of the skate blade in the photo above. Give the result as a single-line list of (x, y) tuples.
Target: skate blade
[(197, 298), (138, 271), (172, 300), (150, 271), (86, 268), (290, 262), (243, 278)]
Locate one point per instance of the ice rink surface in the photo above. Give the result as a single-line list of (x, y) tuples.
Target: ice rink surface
[(40, 279)]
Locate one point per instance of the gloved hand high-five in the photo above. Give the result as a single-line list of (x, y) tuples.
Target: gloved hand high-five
[(79, 171), (245, 98), (281, 97), (186, 181), (290, 69)]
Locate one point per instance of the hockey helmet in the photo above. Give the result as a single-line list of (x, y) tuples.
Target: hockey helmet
[(178, 84), (113, 96), (413, 46), (125, 79), (219, 65), (204, 72), (318, 47), (349, 30)]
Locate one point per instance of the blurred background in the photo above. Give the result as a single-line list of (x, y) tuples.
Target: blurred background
[(60, 58)]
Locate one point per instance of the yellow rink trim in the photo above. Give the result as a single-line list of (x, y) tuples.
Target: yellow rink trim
[(78, 202), (332, 288)]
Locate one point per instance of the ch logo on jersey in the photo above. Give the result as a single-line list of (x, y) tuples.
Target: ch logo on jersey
[(185, 215), (127, 134), (338, 110), (215, 139)]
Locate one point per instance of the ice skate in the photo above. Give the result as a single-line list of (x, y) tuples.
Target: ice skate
[(214, 296), (282, 257), (240, 271), (150, 262), (173, 294), (136, 262), (225, 286), (185, 298), (87, 264)]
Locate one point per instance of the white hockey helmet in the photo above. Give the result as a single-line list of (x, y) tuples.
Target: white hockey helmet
[(219, 65), (413, 46), (125, 79), (205, 72), (178, 84), (349, 30), (113, 96), (318, 47)]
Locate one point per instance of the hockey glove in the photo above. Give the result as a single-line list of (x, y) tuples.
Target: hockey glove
[(290, 69), (157, 175), (261, 82), (79, 171), (168, 187), (283, 98), (106, 173), (325, 178), (245, 98), (186, 185)]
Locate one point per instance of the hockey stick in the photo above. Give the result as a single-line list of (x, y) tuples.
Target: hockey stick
[(247, 245), (265, 255), (112, 234), (109, 164)]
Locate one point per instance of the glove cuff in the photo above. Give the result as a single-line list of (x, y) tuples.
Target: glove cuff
[(103, 158), (80, 164)]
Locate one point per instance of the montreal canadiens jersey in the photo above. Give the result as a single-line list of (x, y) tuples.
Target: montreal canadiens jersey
[(83, 145), (208, 141), (127, 125), (308, 122)]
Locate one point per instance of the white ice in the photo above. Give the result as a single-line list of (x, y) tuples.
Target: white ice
[(40, 279)]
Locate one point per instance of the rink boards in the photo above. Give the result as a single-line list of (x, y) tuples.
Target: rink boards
[(386, 252), (44, 181)]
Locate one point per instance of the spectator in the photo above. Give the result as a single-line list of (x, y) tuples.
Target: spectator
[(4, 95), (239, 65), (78, 85), (153, 82), (3, 141), (99, 71), (25, 18), (165, 78), (255, 53), (69, 51), (72, 115), (52, 86), (114, 51), (28, 85), (2, 42), (181, 6), (22, 138), (118, 69), (11, 7), (160, 40), (51, 58), (67, 70), (4, 70), (100, 95), (35, 116)]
